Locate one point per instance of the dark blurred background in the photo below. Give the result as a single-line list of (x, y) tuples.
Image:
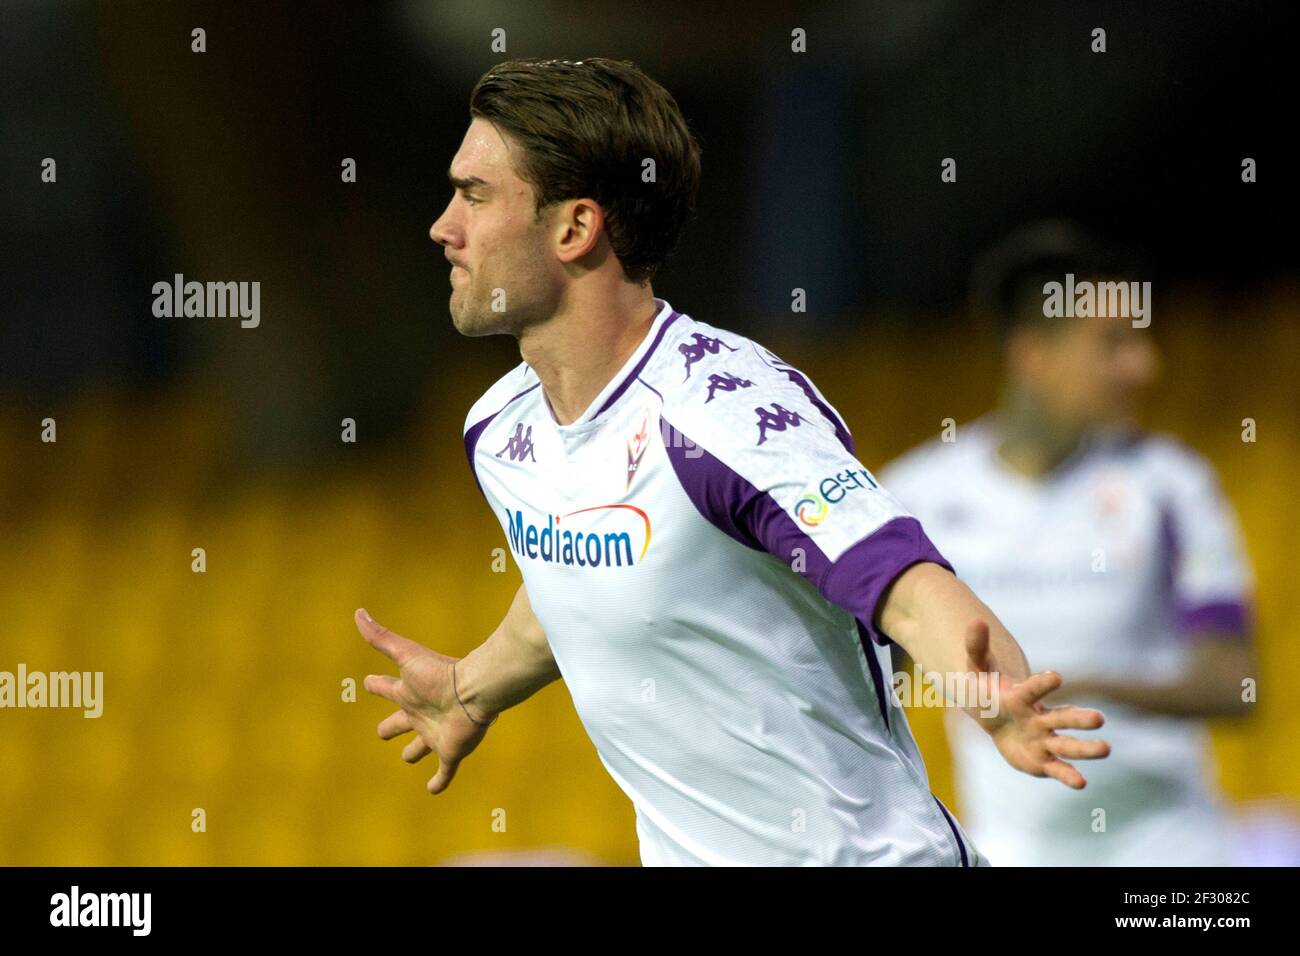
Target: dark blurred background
[(821, 171)]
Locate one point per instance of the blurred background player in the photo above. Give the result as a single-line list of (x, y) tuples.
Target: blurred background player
[(1113, 556)]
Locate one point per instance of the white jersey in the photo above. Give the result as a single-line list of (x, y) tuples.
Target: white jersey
[(1107, 568), (705, 553)]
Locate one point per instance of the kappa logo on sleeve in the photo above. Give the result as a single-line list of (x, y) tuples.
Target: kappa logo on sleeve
[(703, 345), (777, 420), (727, 382), (813, 507)]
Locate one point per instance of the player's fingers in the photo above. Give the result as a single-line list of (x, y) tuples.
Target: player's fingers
[(1060, 770), (1077, 749), (398, 648), (441, 780), (382, 685), (416, 750), (1036, 686), (395, 724), (1072, 718)]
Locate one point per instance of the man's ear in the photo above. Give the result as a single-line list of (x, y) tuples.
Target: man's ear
[(578, 226)]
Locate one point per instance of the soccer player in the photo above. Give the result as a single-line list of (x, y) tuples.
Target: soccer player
[(1113, 556), (705, 561)]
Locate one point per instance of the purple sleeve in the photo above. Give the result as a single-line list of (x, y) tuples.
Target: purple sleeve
[(861, 574), (1219, 618), (1196, 535), (854, 582)]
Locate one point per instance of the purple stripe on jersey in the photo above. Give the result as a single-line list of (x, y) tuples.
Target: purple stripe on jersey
[(841, 430), (877, 676), (475, 430), (1169, 550), (729, 502), (955, 834), (855, 581), (1220, 617), (794, 375), (1197, 618), (651, 387), (632, 376)]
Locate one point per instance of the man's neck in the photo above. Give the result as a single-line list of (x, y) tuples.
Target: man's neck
[(1031, 441), (580, 349)]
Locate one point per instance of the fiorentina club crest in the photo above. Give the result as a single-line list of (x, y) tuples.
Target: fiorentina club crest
[(636, 446)]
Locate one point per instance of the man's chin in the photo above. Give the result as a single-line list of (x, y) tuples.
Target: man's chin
[(473, 325)]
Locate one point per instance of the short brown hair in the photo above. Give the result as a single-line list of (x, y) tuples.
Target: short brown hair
[(1007, 280), (586, 127)]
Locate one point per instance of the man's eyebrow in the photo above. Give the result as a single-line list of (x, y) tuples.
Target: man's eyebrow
[(467, 183)]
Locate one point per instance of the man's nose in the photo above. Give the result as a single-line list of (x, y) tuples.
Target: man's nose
[(441, 232)]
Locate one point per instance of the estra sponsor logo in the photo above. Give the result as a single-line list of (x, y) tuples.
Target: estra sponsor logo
[(814, 506), (622, 539)]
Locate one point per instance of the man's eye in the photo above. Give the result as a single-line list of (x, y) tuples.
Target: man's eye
[(472, 201)]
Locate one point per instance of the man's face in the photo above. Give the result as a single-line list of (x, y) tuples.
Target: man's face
[(503, 277), (1088, 371)]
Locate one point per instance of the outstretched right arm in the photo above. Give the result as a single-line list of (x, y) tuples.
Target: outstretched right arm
[(514, 663)]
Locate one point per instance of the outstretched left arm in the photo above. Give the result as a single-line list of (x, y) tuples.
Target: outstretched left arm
[(945, 628)]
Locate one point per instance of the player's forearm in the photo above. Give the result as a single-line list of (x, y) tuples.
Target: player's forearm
[(926, 612), (1214, 686), (1171, 700), (514, 663)]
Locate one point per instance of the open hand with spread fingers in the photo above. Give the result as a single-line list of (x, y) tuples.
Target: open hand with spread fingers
[(1024, 728), (426, 700)]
